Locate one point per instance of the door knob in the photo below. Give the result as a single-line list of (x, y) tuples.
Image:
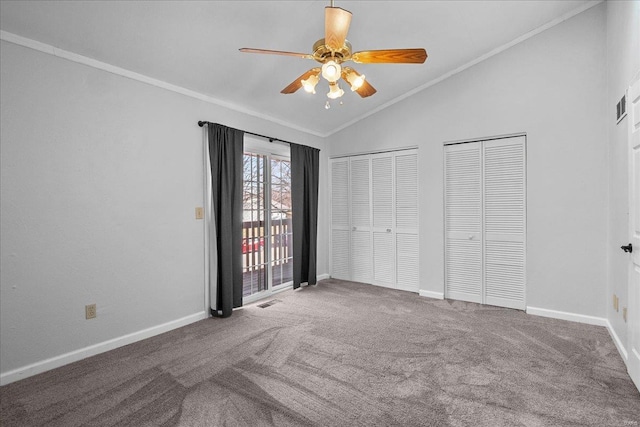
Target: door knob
[(628, 248)]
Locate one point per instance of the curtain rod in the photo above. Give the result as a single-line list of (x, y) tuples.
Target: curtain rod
[(201, 123)]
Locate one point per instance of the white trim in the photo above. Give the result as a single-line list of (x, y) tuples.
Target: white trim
[(471, 63), (431, 294), (84, 60), (323, 276), (616, 340), (92, 350), (45, 48), (381, 151), (488, 138), (582, 318), (563, 315)]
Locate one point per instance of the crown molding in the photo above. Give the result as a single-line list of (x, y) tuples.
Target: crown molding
[(90, 62)]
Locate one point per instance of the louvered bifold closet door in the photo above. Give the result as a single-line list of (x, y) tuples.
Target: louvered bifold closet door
[(382, 219), (360, 198), (406, 221), (463, 221), (504, 222), (340, 231)]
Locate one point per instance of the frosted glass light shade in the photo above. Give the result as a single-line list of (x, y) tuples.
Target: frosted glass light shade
[(310, 83), (334, 91), (331, 71)]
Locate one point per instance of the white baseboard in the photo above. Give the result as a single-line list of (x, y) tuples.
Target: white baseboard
[(431, 294), (572, 317), (92, 350), (323, 276), (581, 318), (616, 340)]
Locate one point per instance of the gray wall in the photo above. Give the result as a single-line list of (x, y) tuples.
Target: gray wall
[(552, 86), (100, 178)]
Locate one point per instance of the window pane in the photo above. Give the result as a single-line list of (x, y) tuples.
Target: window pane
[(276, 196), (275, 171), (287, 270), (286, 173), (260, 169)]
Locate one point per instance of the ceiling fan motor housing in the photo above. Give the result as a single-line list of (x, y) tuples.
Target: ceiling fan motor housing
[(322, 53)]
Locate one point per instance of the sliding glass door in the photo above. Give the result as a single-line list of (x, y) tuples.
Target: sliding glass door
[(266, 233), (281, 230)]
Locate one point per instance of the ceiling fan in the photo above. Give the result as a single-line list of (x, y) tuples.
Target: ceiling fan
[(333, 50)]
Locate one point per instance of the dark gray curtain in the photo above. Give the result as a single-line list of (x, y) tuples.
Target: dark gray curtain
[(226, 149), (304, 199)]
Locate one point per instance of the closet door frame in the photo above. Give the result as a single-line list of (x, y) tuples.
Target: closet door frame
[(483, 297)]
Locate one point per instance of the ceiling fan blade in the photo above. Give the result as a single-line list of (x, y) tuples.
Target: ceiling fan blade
[(391, 56), (276, 52), (366, 90), (336, 27), (297, 83)]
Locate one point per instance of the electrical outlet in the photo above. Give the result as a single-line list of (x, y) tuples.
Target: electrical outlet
[(90, 311), (199, 213), (624, 314)]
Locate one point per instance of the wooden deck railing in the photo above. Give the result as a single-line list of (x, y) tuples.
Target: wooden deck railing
[(254, 246)]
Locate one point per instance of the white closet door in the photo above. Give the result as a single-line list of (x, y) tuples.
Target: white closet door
[(340, 234), (406, 221), (360, 198), (504, 222), (463, 222), (382, 219)]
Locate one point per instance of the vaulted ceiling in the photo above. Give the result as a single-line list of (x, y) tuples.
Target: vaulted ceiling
[(195, 45)]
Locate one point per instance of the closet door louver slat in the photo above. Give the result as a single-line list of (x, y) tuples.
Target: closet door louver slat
[(382, 213), (360, 203), (340, 236), (406, 213), (407, 192), (408, 262), (463, 222), (504, 222)]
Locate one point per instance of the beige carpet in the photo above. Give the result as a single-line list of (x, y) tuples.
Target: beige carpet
[(344, 354)]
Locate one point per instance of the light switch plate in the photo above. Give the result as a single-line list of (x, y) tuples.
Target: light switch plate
[(199, 213), (90, 311)]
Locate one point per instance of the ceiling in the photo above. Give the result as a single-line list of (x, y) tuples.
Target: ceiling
[(195, 45)]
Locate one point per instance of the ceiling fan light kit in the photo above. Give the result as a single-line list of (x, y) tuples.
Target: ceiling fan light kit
[(331, 71), (310, 83), (334, 91), (352, 77), (333, 50)]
